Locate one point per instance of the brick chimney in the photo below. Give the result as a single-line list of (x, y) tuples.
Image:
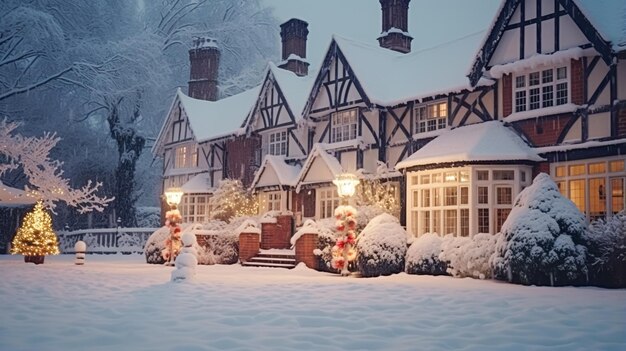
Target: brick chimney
[(204, 60), (293, 34), (395, 34)]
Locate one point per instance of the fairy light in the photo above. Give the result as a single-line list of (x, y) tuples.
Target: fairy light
[(35, 236)]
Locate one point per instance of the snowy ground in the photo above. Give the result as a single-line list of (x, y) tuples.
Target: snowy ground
[(119, 302)]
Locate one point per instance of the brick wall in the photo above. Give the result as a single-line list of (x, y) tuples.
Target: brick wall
[(277, 235), (543, 131), (542, 167), (241, 160), (507, 95), (577, 79), (305, 246), (248, 246), (304, 200)]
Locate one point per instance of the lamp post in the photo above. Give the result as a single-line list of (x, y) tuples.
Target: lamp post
[(173, 197), (343, 251)]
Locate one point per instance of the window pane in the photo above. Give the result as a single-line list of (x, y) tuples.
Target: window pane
[(534, 98), (464, 222), (437, 222), (546, 76), (425, 198), (577, 193), (597, 198), (520, 81), (464, 195), (425, 179), (520, 101), (451, 195), (501, 215), (548, 95), (483, 195), (482, 175), (450, 177), (576, 170), (617, 166), (450, 222), (561, 73), (504, 196), (617, 194), (595, 168), (426, 222), (436, 178), (503, 175), (464, 176), (533, 79), (561, 93), (483, 220), (560, 171)]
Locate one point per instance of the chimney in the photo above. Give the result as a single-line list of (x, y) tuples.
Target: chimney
[(204, 60), (395, 34), (293, 34)]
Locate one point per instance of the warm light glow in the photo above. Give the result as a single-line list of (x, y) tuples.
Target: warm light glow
[(346, 184), (35, 236), (173, 196)]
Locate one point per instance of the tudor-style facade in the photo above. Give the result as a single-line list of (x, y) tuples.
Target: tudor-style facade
[(562, 71), (545, 76)]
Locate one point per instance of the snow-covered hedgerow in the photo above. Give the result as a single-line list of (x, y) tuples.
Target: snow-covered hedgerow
[(155, 244), (422, 257), (468, 257), (606, 242), (325, 241), (381, 247), (541, 241)]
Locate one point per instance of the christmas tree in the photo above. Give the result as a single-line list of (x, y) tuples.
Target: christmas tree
[(35, 236)]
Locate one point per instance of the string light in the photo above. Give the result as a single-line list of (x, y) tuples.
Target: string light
[(35, 236)]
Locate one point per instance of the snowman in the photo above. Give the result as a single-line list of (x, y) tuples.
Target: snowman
[(187, 260)]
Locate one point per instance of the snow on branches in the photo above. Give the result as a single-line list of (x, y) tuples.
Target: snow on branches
[(45, 177)]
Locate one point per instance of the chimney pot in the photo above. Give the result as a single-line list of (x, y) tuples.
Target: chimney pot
[(395, 24), (204, 59), (293, 35)]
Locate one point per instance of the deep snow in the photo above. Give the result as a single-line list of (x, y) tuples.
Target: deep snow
[(119, 302)]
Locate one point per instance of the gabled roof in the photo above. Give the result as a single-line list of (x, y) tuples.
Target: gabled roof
[(285, 174), (12, 197), (601, 21), (319, 152), (389, 78), (295, 89), (487, 141), (211, 119)]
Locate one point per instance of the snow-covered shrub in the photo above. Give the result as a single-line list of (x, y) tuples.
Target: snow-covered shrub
[(325, 241), (468, 257), (128, 243), (148, 217), (542, 239), (381, 247), (422, 257), (606, 242), (155, 244)]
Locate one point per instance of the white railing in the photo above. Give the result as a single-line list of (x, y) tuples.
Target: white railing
[(106, 240)]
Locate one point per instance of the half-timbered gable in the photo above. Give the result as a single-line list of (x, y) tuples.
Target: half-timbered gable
[(277, 112), (559, 65), (274, 182)]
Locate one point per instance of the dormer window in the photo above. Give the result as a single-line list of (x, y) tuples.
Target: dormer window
[(344, 126), (543, 88), (431, 117)]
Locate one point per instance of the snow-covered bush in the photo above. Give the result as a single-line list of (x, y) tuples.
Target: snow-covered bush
[(381, 247), (606, 242), (128, 243), (155, 244), (422, 257), (468, 257), (148, 217), (325, 241), (541, 241)]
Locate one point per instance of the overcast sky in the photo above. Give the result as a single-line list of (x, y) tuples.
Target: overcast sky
[(430, 21)]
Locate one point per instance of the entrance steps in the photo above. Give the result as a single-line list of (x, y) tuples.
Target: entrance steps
[(273, 258)]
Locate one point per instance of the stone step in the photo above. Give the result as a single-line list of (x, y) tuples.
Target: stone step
[(276, 256), (267, 264), (273, 259)]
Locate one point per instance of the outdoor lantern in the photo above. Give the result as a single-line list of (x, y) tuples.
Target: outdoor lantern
[(346, 184), (173, 196)]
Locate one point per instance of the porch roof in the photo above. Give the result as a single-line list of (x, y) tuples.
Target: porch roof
[(488, 141)]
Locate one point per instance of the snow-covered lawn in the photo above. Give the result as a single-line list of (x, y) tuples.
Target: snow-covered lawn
[(121, 303)]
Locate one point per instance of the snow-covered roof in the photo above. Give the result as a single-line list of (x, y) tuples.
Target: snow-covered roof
[(12, 197), (609, 18), (214, 119), (199, 184), (285, 174), (488, 141), (295, 88), (390, 78), (332, 165)]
